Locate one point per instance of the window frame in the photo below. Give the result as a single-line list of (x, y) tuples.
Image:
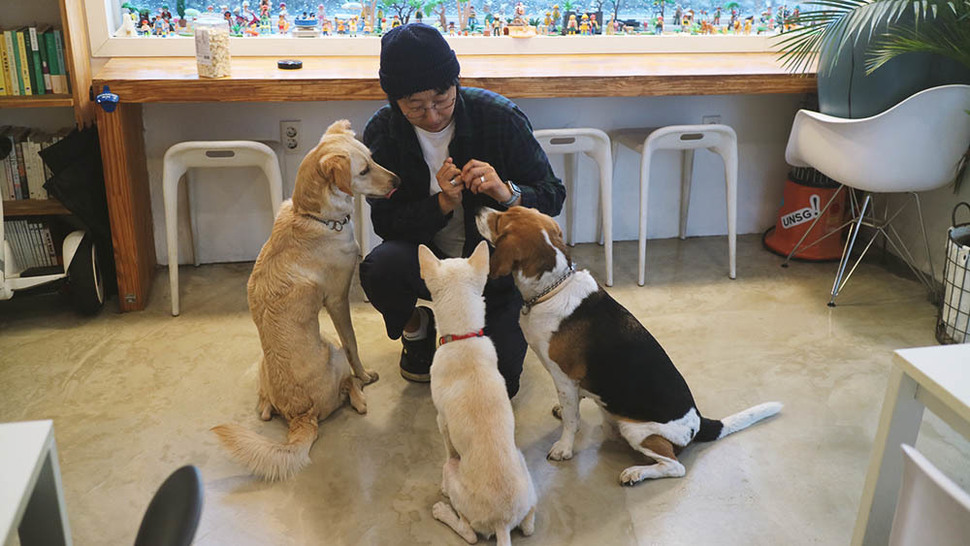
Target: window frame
[(105, 44)]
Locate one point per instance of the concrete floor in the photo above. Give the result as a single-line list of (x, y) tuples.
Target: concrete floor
[(133, 397)]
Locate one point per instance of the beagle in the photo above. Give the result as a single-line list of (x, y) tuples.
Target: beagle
[(594, 348)]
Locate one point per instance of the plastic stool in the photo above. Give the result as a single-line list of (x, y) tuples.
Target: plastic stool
[(719, 139), (595, 144), (362, 224), (182, 157)]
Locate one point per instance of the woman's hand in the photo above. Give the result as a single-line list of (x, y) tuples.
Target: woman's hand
[(480, 177), (451, 184)]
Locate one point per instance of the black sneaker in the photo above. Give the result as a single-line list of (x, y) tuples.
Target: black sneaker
[(416, 356)]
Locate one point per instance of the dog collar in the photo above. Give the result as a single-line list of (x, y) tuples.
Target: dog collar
[(336, 225), (451, 337), (549, 291)]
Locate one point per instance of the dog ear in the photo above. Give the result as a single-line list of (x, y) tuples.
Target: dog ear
[(335, 169), (506, 256), (427, 261), (308, 193), (340, 126), (479, 258)]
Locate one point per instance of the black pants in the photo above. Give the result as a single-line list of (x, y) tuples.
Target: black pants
[(391, 278)]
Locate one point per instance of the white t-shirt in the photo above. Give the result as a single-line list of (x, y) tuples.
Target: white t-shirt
[(434, 147)]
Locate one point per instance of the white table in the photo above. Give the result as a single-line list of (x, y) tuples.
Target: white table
[(31, 496), (937, 378)]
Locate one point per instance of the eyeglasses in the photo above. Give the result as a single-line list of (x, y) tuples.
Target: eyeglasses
[(418, 113)]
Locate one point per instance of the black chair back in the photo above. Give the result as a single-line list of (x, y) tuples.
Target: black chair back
[(173, 515)]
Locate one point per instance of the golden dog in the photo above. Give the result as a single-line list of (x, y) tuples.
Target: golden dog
[(308, 262)]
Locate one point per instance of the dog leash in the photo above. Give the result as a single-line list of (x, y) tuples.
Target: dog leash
[(542, 296), (452, 337), (336, 225)]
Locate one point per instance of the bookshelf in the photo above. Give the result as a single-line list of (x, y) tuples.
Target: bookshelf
[(38, 101), (34, 207), (70, 106)]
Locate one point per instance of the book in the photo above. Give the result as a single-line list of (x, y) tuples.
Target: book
[(11, 163), (30, 166), (11, 64), (49, 243), (19, 135), (59, 47), (4, 77), (23, 62), (37, 145), (23, 33), (20, 251), (37, 67), (50, 46), (10, 37)]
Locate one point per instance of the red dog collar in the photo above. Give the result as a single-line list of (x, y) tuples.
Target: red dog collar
[(449, 338)]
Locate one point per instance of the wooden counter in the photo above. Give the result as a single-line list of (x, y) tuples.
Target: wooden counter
[(256, 79)]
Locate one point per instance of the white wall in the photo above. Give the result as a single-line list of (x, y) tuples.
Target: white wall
[(233, 208)]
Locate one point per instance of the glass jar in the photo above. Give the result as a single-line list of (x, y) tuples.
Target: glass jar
[(212, 46)]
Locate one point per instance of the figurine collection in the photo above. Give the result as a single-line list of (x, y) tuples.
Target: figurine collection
[(373, 18)]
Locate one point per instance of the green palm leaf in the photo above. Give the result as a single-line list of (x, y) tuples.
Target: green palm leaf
[(832, 25)]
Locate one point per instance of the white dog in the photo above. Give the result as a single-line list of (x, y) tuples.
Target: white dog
[(485, 476)]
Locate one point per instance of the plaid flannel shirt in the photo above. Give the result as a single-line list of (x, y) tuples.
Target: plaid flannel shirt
[(488, 127)]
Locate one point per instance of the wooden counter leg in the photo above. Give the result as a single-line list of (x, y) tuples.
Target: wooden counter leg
[(129, 202)]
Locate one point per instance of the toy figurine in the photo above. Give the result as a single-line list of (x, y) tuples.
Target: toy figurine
[(282, 24), (251, 30), (717, 16), (594, 25), (396, 21), (472, 17), (572, 27), (584, 25), (496, 26), (747, 25), (658, 27)]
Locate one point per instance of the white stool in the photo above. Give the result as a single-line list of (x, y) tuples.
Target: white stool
[(362, 224), (719, 139), (595, 144), (182, 157)]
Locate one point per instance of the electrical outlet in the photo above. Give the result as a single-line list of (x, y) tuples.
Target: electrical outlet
[(291, 135), (711, 120)]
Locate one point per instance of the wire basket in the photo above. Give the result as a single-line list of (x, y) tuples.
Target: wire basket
[(953, 323)]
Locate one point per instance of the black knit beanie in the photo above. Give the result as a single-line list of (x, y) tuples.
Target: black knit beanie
[(415, 57)]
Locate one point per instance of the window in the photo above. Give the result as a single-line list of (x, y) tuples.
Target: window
[(338, 27)]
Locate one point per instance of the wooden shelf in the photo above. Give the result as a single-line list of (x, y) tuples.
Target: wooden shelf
[(33, 207), (37, 101), (256, 79)]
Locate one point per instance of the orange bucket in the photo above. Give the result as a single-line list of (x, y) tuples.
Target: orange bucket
[(806, 192)]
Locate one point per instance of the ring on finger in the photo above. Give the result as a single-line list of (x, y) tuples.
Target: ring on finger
[(452, 182), (483, 179)]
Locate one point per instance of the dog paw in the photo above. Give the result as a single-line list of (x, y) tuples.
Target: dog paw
[(560, 452), (441, 511), (369, 377), (557, 412), (359, 406), (632, 476)]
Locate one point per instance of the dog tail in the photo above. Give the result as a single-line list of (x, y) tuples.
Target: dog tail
[(265, 458), (503, 536), (712, 429)]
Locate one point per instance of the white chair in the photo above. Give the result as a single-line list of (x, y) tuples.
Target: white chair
[(931, 509), (184, 156), (362, 224), (596, 145), (912, 147), (719, 139)]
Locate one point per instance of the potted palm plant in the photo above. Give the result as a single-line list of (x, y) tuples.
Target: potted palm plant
[(890, 27)]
